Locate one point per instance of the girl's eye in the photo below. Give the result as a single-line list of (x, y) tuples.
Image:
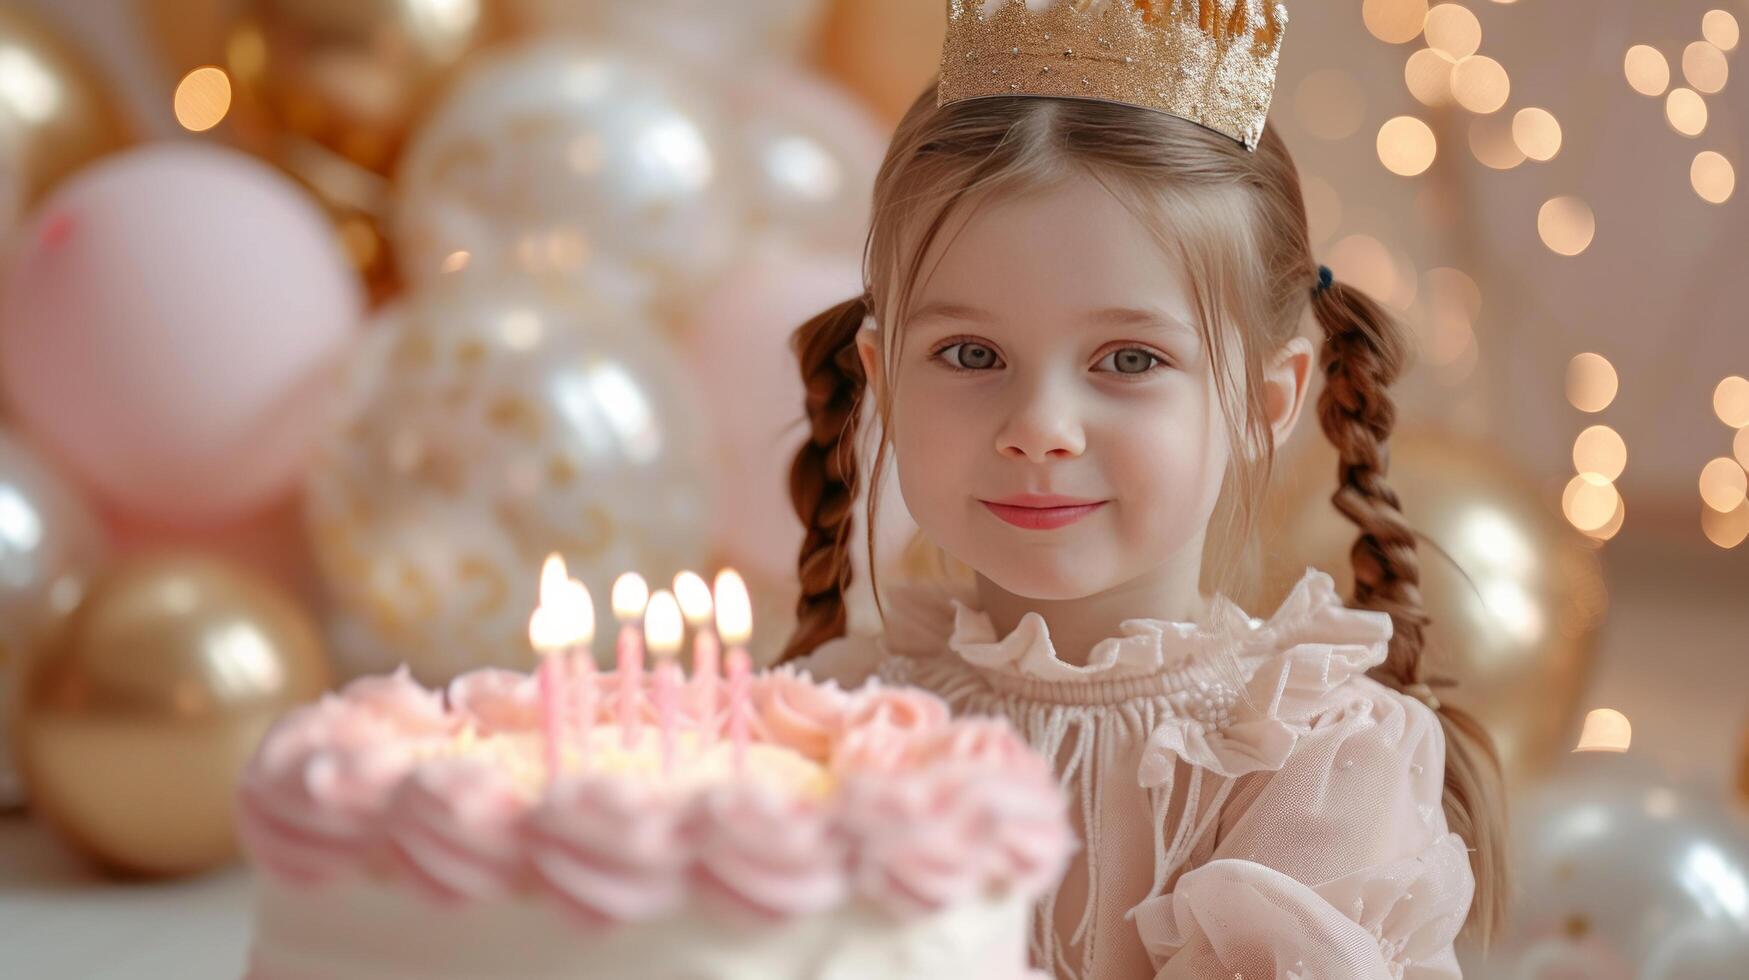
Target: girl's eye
[(968, 356), (1129, 360)]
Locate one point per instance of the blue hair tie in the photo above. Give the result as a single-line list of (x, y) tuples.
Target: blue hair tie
[(1325, 278)]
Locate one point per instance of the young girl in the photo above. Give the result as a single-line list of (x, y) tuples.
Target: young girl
[(1081, 332)]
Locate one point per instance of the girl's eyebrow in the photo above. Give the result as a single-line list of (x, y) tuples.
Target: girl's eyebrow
[(1111, 316)]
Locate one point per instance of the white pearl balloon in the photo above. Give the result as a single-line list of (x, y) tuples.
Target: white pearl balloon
[(559, 157), (1619, 874), (707, 30)]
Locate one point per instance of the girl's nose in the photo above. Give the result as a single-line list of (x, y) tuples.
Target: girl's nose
[(1041, 425)]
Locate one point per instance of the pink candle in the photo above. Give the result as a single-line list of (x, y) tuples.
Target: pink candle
[(630, 671), (696, 604), (735, 624), (663, 632), (740, 677), (705, 671), (630, 595), (583, 690), (668, 684), (552, 712), (565, 619)]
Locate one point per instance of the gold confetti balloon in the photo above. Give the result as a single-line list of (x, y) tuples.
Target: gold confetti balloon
[(488, 425), (556, 157), (1518, 634), (348, 75), (135, 720)]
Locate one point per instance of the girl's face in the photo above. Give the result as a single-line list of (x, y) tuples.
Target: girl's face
[(1056, 422)]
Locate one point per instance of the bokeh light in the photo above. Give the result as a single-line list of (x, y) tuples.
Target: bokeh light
[(202, 99), (1712, 177), (1613, 526), (1407, 146), (1492, 143), (1719, 27), (1566, 225), (1740, 447), (1364, 261), (1589, 502), (1452, 29), (1591, 382), (1537, 133), (1606, 730), (1323, 207), (1647, 71), (1428, 77), (1686, 111), (1723, 484), (1727, 530), (1480, 84), (1731, 401), (1704, 65), (1449, 288), (1600, 451), (1394, 21)]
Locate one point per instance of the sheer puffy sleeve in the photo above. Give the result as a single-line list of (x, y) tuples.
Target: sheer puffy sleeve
[(1332, 857), (1337, 864)]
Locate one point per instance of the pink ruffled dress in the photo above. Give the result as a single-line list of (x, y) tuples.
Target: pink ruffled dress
[(1281, 820)]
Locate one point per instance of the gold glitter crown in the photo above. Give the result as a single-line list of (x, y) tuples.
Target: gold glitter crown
[(1212, 62)]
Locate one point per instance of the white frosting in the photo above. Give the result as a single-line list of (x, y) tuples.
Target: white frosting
[(366, 929)]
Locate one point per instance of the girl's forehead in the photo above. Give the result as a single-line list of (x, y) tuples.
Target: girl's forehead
[(1070, 247)]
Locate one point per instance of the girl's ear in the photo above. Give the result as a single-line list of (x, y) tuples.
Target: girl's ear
[(868, 348), (1285, 381)]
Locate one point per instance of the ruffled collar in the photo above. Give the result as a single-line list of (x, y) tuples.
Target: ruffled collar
[(1311, 612)]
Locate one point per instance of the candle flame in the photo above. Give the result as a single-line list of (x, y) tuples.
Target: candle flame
[(1606, 730), (552, 579), (579, 606), (662, 626), (566, 614), (630, 594), (734, 610), (694, 596)]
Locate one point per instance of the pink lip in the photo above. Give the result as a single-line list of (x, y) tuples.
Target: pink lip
[(1042, 512)]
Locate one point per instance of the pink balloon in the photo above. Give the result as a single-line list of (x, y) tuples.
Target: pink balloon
[(169, 326), (736, 341)]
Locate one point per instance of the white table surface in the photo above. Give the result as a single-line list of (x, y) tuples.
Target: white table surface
[(61, 920)]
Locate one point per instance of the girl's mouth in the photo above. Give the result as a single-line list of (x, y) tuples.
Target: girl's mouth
[(1042, 518)]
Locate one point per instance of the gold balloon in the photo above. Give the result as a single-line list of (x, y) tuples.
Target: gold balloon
[(886, 51), (1520, 639), (54, 114), (135, 721), (351, 75)]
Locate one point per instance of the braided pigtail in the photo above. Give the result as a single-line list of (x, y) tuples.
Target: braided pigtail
[(823, 477), (1365, 349)]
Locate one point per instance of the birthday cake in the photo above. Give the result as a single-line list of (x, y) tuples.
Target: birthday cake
[(403, 832)]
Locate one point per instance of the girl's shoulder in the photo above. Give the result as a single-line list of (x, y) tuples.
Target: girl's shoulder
[(914, 619)]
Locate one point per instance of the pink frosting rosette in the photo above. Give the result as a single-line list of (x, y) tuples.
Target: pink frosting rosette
[(497, 700), (773, 855), (610, 849), (309, 802), (904, 709), (452, 828), (794, 711), (399, 699), (918, 846)]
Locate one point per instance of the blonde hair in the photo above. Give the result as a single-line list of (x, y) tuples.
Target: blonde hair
[(1236, 221)]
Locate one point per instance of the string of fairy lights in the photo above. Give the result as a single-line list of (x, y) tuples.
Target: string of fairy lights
[(1449, 68)]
